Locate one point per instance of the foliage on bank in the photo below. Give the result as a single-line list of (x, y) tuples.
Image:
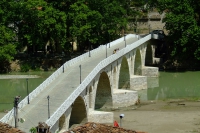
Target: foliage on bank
[(182, 21), (51, 26)]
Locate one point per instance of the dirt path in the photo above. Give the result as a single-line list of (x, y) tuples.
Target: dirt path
[(174, 116)]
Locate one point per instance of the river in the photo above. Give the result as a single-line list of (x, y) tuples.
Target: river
[(173, 85), (169, 85), (17, 84)]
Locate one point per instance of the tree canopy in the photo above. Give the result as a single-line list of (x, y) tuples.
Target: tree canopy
[(183, 25), (36, 24)]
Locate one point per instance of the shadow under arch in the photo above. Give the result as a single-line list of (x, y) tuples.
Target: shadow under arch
[(90, 97), (115, 81), (124, 75), (62, 123), (149, 55), (78, 113), (138, 63), (103, 94)]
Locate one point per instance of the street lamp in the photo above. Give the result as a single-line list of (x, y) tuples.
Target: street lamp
[(48, 97), (16, 102), (80, 73), (89, 48), (27, 90), (125, 39), (121, 116), (106, 50), (109, 39), (149, 29)]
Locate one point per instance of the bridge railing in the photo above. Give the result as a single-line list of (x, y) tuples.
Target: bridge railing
[(68, 102), (51, 78)]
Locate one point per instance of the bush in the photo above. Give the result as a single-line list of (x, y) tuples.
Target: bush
[(25, 67)]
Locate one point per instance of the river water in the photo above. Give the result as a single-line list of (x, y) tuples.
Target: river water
[(169, 85), (173, 85), (17, 84)]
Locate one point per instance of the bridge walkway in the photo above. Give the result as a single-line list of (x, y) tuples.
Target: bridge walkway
[(61, 88)]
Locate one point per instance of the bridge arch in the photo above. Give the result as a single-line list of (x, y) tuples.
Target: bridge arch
[(90, 96), (115, 77), (62, 123), (132, 63), (78, 113), (103, 92), (124, 75), (149, 55), (138, 63)]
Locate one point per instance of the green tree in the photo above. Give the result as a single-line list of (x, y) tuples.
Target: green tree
[(38, 23), (113, 19), (7, 37), (182, 22), (84, 22)]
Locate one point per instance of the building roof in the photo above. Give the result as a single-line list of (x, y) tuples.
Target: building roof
[(5, 128)]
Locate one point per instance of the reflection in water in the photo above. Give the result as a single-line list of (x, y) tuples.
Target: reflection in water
[(18, 87), (174, 85)]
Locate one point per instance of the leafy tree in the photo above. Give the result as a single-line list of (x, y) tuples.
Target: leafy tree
[(38, 23), (113, 19), (7, 48), (7, 44), (93, 22), (182, 22), (84, 22)]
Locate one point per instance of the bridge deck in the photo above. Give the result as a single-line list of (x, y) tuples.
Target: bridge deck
[(60, 89)]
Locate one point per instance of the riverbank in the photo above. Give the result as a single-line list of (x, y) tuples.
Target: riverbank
[(18, 76), (171, 116)]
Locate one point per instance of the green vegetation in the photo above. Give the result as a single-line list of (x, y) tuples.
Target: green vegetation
[(29, 26), (182, 21), (33, 130), (25, 67)]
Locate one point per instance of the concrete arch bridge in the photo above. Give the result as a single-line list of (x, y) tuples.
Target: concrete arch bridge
[(92, 81)]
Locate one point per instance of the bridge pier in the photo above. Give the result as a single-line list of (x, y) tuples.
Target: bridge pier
[(100, 116), (138, 82), (62, 124), (150, 71), (124, 98)]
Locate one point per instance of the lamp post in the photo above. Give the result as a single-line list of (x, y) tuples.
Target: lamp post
[(89, 48), (80, 73), (63, 68), (125, 39), (27, 90), (16, 102), (109, 39), (106, 50), (149, 28), (121, 116), (48, 97)]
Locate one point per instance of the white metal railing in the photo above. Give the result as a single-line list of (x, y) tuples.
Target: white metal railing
[(51, 78), (67, 103)]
